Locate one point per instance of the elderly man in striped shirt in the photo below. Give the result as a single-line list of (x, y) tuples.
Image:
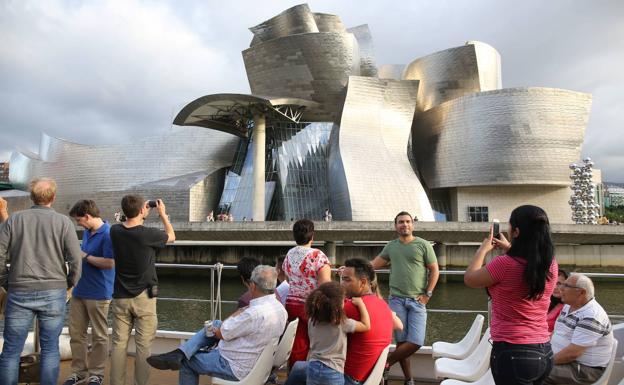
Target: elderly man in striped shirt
[(583, 335), (239, 339)]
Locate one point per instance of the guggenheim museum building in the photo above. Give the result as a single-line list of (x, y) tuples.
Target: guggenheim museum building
[(326, 127)]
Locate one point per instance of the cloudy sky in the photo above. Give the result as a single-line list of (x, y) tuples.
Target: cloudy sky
[(99, 72)]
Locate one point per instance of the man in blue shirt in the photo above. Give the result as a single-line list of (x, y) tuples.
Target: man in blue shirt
[(91, 297)]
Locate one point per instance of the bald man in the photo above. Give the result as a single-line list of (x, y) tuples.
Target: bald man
[(37, 243)]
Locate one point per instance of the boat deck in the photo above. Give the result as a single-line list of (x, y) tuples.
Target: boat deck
[(169, 377)]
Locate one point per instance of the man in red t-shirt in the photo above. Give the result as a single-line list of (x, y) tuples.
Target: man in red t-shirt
[(363, 349)]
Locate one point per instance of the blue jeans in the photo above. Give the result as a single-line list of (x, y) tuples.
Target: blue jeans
[(203, 362), (413, 314), (527, 364), (350, 381), (21, 307), (321, 374), (298, 374)]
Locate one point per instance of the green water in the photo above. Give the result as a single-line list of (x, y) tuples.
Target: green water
[(189, 316)]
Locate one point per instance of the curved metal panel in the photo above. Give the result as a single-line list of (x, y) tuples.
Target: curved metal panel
[(231, 112), (374, 131), (454, 72), (367, 50), (295, 20), (329, 23), (390, 71), (502, 137), (489, 66), (86, 171), (311, 66), (22, 168)]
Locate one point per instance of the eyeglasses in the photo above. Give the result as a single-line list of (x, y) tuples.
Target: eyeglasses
[(570, 286)]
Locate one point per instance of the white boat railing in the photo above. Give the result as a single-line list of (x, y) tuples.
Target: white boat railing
[(213, 267)]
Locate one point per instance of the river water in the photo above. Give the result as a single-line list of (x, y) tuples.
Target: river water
[(447, 326), (184, 301)]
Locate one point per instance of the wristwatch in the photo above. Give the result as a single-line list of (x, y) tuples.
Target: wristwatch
[(429, 294)]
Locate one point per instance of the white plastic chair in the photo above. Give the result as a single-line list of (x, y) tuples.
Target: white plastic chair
[(285, 345), (618, 334), (604, 379), (260, 372), (374, 378), (487, 379), (463, 348), (469, 369)]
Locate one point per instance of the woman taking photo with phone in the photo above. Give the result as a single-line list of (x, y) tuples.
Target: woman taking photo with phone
[(520, 283)]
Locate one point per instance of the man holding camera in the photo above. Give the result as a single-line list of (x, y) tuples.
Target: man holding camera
[(136, 284)]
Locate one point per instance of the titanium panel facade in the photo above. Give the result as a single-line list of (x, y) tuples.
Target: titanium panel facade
[(173, 162), (292, 21), (311, 66), (377, 180), (367, 50), (326, 22), (455, 72), (516, 136), (391, 71)]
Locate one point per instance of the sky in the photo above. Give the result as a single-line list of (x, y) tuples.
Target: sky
[(100, 72)]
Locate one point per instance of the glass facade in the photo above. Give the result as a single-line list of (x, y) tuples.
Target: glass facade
[(296, 173)]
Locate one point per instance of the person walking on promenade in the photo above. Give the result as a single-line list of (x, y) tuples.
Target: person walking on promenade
[(306, 269), (414, 274), (520, 283), (136, 285), (38, 243), (91, 297)]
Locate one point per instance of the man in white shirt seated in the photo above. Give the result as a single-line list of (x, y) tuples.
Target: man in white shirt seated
[(583, 336), (241, 337)]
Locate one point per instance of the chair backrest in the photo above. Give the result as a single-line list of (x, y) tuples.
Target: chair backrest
[(471, 339), (285, 345), (480, 357), (618, 334), (487, 379), (260, 371), (604, 379), (374, 378)]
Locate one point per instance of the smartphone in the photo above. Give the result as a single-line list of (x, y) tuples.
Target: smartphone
[(496, 228)]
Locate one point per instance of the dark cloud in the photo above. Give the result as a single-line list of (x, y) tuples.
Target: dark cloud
[(107, 71)]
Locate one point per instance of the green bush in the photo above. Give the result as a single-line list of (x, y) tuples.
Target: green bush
[(615, 213)]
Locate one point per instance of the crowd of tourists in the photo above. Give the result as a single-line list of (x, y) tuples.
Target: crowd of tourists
[(546, 325)]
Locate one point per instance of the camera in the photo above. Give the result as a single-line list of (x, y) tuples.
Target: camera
[(152, 203), (152, 291), (496, 229)]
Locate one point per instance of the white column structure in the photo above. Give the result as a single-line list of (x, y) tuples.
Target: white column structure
[(259, 143)]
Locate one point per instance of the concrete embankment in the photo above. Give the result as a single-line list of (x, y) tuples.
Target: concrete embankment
[(456, 242)]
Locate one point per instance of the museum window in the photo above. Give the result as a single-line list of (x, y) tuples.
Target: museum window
[(478, 214)]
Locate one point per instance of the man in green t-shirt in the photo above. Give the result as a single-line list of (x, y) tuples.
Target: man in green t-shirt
[(413, 275)]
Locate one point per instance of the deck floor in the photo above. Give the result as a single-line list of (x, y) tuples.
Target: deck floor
[(164, 377)]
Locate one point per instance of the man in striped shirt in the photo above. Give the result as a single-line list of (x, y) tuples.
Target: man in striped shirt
[(583, 336)]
